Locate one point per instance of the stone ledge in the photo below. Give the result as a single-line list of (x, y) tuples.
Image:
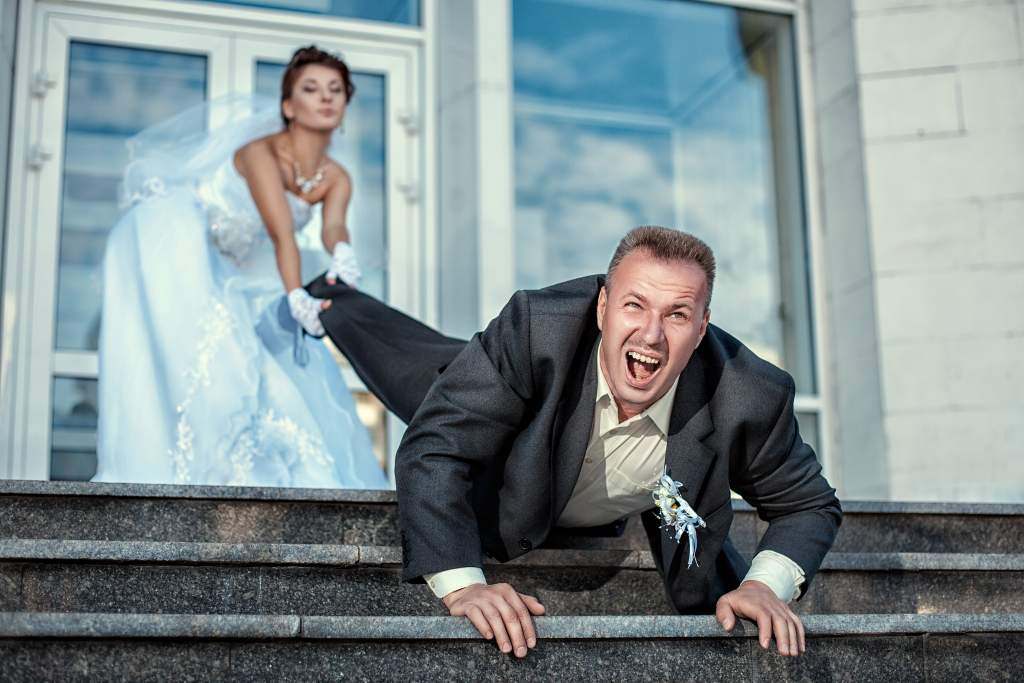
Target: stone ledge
[(31, 487), (63, 625), (179, 552), (69, 625), (14, 550), (923, 562)]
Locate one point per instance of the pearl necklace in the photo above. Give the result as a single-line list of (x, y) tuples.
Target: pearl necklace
[(307, 185)]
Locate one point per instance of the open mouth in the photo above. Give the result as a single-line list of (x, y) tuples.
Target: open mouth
[(641, 368)]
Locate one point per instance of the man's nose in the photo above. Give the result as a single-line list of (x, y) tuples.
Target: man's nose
[(652, 331)]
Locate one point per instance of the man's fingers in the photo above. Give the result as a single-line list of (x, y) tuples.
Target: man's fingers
[(494, 618), (794, 640), (726, 617), (513, 626), (477, 618), (764, 629), (801, 634), (325, 305), (519, 605), (533, 604), (781, 627)]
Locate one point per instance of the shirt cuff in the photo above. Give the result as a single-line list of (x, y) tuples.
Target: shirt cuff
[(451, 580), (778, 572)]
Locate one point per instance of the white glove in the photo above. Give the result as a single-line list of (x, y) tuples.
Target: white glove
[(344, 265), (306, 311)]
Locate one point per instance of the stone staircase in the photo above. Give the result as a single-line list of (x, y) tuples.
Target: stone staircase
[(119, 581)]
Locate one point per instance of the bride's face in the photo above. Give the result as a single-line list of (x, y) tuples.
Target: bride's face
[(318, 98)]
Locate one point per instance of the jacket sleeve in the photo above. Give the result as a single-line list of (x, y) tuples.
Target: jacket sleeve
[(781, 477), (465, 425)]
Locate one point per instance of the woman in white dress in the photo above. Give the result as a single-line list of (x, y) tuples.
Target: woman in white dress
[(206, 372)]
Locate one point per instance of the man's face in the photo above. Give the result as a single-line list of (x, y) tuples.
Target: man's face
[(651, 317)]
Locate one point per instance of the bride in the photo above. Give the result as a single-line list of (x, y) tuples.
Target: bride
[(206, 372)]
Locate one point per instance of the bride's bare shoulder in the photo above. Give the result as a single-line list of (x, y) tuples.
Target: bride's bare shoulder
[(258, 151)]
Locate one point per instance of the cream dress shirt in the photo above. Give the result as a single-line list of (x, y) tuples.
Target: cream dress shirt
[(621, 467)]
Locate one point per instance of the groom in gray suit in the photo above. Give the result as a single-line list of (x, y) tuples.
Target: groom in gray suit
[(567, 411)]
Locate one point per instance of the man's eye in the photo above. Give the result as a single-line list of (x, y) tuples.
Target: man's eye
[(633, 304)]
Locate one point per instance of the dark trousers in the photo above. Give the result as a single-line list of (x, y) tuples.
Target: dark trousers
[(397, 357)]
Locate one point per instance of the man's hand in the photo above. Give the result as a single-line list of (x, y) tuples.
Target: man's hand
[(757, 602), (498, 611)]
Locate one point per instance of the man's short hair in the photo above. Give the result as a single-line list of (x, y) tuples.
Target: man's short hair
[(666, 244)]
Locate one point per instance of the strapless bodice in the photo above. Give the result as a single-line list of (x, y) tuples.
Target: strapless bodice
[(234, 223)]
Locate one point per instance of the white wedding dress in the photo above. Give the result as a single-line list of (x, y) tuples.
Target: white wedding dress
[(205, 378)]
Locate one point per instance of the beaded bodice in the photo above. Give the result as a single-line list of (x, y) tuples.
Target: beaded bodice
[(234, 222)]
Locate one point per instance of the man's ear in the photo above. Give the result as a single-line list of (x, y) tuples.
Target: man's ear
[(704, 324), (602, 306)]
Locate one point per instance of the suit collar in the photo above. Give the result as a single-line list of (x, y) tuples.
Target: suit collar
[(573, 424)]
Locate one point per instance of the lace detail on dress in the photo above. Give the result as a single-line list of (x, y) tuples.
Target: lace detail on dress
[(150, 188), (235, 224), (214, 327), (279, 436), (233, 236)]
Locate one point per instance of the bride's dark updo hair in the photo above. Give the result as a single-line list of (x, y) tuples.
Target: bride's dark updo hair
[(305, 56)]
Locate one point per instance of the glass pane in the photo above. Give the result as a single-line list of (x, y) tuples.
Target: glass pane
[(73, 452), (390, 11), (373, 414), (808, 423), (360, 148), (695, 127), (148, 86)]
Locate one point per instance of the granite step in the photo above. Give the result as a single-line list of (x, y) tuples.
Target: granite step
[(39, 647), (157, 512), (143, 576)]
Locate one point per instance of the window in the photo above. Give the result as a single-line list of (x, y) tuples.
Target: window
[(390, 11), (682, 114)]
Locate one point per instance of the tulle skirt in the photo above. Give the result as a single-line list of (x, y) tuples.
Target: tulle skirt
[(204, 376)]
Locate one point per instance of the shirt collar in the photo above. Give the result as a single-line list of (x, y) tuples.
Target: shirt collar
[(659, 412)]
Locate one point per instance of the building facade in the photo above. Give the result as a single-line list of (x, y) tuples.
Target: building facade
[(858, 168)]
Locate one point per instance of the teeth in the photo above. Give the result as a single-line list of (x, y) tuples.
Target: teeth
[(643, 358)]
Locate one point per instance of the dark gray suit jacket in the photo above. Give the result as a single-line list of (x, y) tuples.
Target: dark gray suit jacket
[(494, 449)]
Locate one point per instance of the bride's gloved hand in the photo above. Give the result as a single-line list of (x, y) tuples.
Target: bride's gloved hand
[(306, 310), (344, 265)]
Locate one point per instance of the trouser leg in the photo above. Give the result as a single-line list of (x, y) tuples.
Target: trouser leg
[(397, 357)]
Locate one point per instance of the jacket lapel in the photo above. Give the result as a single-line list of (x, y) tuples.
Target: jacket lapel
[(686, 457), (573, 424)]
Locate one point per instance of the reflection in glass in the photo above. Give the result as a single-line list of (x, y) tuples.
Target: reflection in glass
[(359, 147), (73, 451), (147, 86), (808, 423), (693, 127), (390, 11), (374, 415)]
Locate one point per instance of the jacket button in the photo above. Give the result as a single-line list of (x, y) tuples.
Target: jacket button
[(525, 544)]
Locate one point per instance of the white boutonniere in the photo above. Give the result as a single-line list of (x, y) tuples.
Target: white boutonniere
[(677, 514)]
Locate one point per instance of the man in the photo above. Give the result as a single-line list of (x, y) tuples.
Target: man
[(565, 412)]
